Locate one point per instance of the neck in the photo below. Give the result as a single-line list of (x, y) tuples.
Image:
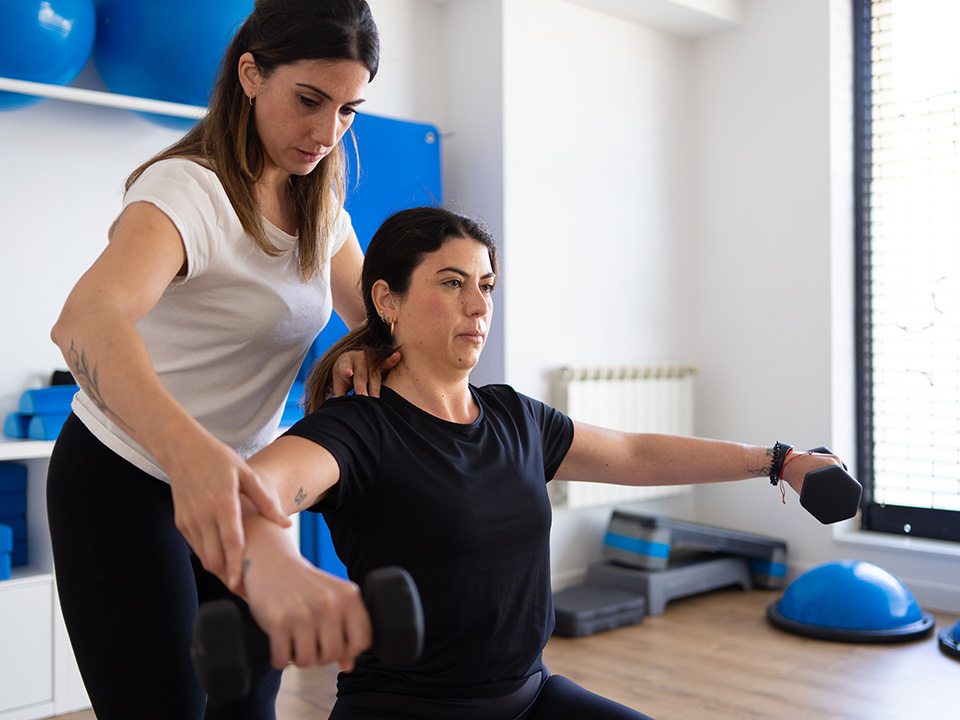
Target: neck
[(448, 399)]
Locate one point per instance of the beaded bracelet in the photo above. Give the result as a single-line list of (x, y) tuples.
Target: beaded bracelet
[(780, 452)]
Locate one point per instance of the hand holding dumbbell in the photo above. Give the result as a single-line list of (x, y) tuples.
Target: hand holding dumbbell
[(829, 493), (226, 647)]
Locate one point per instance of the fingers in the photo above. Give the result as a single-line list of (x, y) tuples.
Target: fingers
[(265, 501), (333, 627), (360, 379)]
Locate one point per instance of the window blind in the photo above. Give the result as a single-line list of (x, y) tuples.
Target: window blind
[(909, 231)]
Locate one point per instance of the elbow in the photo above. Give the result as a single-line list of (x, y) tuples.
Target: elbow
[(64, 329)]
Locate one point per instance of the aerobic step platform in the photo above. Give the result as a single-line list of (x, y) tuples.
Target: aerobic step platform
[(686, 574), (588, 609), (646, 541)]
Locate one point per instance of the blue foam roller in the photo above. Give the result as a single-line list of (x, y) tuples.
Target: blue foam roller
[(5, 564), (15, 425), (13, 478), (6, 538), (17, 523), (14, 503), (53, 399), (18, 556), (46, 426)]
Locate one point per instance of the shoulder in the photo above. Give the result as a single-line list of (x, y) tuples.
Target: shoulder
[(355, 411), (505, 394), (179, 168)]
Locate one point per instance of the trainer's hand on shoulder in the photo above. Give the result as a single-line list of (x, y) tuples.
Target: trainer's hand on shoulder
[(310, 616), (206, 486), (352, 372)]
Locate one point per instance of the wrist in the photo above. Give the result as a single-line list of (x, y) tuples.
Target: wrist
[(779, 455)]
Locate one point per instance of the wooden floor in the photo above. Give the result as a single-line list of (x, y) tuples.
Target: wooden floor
[(715, 657)]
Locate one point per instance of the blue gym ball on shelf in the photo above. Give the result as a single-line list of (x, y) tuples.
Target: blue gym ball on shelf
[(165, 49), (44, 41)]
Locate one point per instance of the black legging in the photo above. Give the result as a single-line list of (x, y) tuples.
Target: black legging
[(129, 587), (557, 698)]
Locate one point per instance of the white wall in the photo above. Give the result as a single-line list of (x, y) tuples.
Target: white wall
[(597, 220), (774, 268)]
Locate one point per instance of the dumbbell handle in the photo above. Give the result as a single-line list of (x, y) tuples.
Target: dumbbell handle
[(830, 494), (226, 647)]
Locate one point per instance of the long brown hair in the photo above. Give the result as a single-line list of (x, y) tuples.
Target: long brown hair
[(279, 32), (395, 251)]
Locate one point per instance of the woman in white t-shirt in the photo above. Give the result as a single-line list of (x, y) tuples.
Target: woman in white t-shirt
[(185, 336)]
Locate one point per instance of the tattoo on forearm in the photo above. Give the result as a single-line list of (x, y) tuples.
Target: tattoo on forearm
[(765, 470), (301, 496), (86, 376)]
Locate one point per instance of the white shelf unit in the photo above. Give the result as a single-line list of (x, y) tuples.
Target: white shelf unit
[(36, 661), (40, 676)]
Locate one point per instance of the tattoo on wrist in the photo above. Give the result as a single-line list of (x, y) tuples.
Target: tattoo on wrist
[(765, 470), (301, 496), (87, 377)]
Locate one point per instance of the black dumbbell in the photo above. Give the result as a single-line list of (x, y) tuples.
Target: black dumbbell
[(830, 494), (226, 646)]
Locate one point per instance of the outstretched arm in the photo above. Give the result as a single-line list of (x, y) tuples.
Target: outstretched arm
[(601, 455)]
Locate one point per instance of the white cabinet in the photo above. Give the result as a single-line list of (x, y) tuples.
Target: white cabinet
[(38, 674)]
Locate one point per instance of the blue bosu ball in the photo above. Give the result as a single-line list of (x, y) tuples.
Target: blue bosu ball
[(949, 641), (165, 49), (44, 41), (850, 601)]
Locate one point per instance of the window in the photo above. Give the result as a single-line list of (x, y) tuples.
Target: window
[(907, 87)]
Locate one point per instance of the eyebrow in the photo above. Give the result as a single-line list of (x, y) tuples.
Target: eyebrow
[(464, 273), (318, 91)]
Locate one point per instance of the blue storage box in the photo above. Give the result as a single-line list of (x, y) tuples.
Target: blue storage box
[(6, 546), (14, 503), (18, 555), (19, 525), (13, 478), (13, 512)]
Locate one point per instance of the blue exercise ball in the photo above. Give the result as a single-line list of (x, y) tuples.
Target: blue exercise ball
[(165, 49), (850, 601), (44, 41)]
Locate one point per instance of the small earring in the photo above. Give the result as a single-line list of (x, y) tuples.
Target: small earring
[(251, 100)]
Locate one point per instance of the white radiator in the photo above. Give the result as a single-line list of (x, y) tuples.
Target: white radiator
[(654, 398)]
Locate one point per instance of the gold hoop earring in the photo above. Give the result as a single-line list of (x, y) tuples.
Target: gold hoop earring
[(251, 100), (391, 323)]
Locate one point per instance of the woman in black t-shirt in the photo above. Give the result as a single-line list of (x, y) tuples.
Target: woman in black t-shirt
[(448, 481)]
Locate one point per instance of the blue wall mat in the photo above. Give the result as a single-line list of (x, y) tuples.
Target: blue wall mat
[(399, 168)]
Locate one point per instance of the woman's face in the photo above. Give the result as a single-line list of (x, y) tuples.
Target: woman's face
[(302, 110), (443, 320)]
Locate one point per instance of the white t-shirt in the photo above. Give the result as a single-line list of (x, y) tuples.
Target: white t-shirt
[(227, 339)]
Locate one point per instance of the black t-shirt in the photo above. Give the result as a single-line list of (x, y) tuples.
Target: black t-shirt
[(464, 509)]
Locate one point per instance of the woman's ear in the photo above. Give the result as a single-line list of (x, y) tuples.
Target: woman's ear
[(383, 299), (249, 75)]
